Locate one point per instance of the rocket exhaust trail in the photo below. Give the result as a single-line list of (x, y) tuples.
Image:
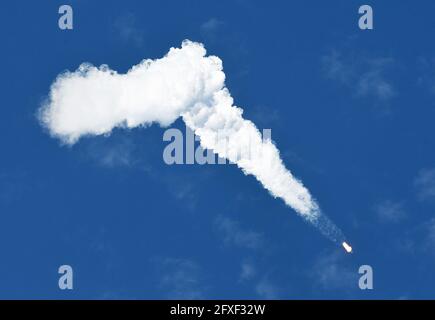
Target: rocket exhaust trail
[(184, 83)]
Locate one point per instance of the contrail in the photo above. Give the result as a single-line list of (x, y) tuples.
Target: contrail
[(185, 83)]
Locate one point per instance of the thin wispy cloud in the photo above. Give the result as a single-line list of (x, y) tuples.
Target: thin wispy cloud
[(417, 239), (248, 271), (233, 234), (431, 232), (332, 272), (374, 82), (180, 278), (185, 192), (112, 152), (364, 77), (426, 78), (210, 28), (126, 29), (425, 184), (390, 211), (266, 117), (267, 290)]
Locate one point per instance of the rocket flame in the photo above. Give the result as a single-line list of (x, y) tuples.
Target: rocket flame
[(347, 247)]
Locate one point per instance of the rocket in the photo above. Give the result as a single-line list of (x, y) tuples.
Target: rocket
[(347, 247)]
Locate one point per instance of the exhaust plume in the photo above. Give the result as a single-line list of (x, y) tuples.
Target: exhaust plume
[(185, 83)]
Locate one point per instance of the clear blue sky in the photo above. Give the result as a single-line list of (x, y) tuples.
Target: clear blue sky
[(351, 111)]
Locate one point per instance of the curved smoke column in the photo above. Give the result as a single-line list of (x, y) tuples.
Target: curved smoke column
[(185, 83)]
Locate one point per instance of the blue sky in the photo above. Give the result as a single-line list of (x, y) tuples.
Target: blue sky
[(351, 112)]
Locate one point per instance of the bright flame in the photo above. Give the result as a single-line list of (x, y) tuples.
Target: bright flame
[(347, 247)]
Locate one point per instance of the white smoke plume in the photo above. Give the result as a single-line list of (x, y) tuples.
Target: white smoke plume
[(185, 83)]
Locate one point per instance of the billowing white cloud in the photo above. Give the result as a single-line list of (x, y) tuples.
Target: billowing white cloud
[(93, 101), (185, 83)]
